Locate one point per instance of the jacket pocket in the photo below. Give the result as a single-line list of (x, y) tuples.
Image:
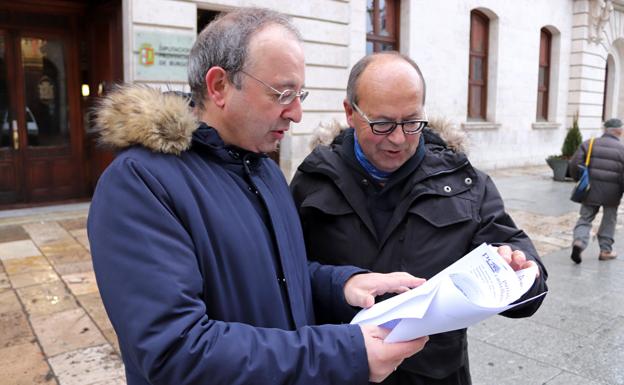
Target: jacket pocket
[(443, 211), (333, 232), (327, 204)]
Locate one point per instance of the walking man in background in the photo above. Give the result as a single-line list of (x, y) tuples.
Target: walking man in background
[(606, 175)]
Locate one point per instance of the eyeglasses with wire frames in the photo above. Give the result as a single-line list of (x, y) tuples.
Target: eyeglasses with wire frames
[(283, 97), (384, 127)]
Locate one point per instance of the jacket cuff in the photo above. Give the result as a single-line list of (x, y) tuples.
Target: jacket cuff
[(344, 311)]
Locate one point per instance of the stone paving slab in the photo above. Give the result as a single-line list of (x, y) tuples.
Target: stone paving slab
[(12, 233), (50, 309), (25, 364), (507, 367), (66, 331), (92, 303), (81, 236), (18, 249), (79, 223), (33, 278), (47, 298), (81, 283), (571, 379), (14, 329), (73, 267), (23, 265), (43, 233), (578, 319), (538, 341), (98, 364)]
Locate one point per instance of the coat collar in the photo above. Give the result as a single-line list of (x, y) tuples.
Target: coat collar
[(439, 158), (206, 138), (328, 161)]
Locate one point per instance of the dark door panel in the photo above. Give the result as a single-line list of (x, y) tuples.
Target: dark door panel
[(41, 151)]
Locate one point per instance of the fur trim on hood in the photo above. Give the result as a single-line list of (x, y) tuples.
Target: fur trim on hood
[(139, 115), (454, 138)]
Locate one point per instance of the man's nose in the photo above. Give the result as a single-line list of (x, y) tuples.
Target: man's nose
[(397, 136), (293, 111)]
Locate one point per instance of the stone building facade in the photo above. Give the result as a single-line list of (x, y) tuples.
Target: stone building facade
[(584, 36), (512, 74)]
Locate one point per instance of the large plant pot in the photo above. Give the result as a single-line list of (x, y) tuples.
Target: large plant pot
[(559, 167)]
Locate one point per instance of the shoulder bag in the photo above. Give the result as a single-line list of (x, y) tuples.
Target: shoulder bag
[(581, 189)]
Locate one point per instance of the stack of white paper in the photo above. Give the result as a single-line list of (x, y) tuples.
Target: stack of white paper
[(472, 289)]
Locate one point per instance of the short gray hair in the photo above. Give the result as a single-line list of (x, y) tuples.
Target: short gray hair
[(225, 42), (364, 62), (613, 126)]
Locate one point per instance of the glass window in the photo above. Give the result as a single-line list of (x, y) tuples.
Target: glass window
[(5, 118), (605, 89), (382, 25), (46, 112), (370, 17), (478, 76), (543, 81), (204, 17)]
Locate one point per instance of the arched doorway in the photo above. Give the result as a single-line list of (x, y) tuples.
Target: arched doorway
[(609, 82), (613, 97)]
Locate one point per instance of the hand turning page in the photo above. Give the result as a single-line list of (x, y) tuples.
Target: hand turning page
[(475, 287)]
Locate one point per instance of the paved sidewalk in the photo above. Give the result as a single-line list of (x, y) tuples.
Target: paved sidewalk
[(577, 336), (53, 328)]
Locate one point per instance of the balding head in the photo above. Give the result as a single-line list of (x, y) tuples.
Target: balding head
[(385, 88), (380, 57)]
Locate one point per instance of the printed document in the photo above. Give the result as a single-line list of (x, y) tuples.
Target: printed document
[(475, 287)]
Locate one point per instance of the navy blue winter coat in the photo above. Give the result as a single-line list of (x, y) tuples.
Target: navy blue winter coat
[(200, 260)]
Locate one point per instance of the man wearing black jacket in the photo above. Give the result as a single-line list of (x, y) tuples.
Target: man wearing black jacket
[(390, 195)]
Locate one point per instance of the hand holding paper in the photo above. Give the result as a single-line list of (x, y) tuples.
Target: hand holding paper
[(472, 289), (361, 289)]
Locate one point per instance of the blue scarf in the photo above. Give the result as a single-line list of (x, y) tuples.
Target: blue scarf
[(377, 174)]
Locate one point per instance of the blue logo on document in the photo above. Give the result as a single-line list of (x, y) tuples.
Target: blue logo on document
[(495, 268)]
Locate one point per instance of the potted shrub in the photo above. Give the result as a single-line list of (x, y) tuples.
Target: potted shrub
[(559, 163)]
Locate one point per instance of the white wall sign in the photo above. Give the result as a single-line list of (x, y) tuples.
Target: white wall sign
[(161, 55)]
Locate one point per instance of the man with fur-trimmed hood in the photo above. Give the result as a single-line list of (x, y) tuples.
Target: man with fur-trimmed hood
[(389, 195), (196, 243)]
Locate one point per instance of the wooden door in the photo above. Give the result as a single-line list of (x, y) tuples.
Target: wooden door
[(11, 181), (40, 153), (105, 63)]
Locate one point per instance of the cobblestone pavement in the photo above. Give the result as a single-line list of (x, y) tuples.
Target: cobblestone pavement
[(54, 330)]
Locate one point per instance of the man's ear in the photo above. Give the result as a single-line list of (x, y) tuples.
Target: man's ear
[(349, 112), (217, 85)]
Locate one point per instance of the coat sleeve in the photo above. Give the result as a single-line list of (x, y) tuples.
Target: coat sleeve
[(577, 159), (152, 288), (328, 283), (497, 228)]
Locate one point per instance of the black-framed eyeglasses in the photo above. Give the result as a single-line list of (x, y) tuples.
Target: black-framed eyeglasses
[(283, 97), (384, 127)]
